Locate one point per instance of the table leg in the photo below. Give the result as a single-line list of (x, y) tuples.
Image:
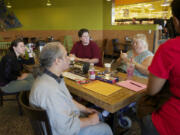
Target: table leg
[(115, 123)]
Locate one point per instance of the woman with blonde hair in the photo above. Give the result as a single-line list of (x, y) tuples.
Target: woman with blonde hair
[(140, 56)]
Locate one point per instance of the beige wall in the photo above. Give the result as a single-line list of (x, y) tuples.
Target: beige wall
[(121, 34), (97, 35)]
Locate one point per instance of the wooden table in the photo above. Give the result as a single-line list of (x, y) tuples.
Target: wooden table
[(112, 103)]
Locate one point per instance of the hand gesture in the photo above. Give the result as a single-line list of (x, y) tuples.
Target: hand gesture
[(124, 57)]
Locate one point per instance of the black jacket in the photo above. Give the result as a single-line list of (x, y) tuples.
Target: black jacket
[(11, 67)]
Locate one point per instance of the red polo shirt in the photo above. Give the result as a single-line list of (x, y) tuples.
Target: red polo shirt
[(89, 51)]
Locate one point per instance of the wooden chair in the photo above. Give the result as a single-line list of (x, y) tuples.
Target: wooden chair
[(35, 115), (103, 49), (68, 43), (116, 49), (2, 99)]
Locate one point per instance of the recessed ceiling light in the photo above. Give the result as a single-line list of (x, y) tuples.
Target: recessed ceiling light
[(48, 3), (147, 5), (152, 8), (8, 5), (165, 3)]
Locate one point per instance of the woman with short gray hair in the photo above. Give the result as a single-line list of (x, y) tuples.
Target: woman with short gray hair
[(140, 56)]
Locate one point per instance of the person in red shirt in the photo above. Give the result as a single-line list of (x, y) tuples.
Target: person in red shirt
[(86, 50), (165, 66)]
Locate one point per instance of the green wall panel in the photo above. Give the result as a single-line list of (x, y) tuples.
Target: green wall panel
[(62, 15), (68, 15)]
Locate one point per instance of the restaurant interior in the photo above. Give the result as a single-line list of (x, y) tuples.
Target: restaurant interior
[(111, 23)]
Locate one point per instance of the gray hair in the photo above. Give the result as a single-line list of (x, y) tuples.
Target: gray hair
[(49, 53), (141, 38)]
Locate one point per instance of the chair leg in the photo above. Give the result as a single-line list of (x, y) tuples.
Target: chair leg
[(19, 106), (1, 100)]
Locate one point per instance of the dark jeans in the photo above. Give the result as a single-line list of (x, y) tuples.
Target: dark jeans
[(147, 127)]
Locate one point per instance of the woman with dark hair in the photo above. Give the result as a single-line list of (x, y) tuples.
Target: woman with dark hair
[(12, 78), (165, 66)]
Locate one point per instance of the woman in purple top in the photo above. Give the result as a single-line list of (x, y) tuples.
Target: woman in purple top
[(86, 50)]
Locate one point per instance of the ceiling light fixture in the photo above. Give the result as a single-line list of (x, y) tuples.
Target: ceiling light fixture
[(108, 0), (165, 3), (152, 8), (48, 3), (8, 5), (138, 6), (147, 5)]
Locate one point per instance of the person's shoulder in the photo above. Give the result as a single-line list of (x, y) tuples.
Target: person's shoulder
[(170, 44), (149, 53), (44, 81), (77, 43), (93, 44), (43, 86), (9, 56), (130, 52), (173, 41)]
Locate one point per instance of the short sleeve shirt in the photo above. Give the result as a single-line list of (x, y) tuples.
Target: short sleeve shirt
[(90, 51), (166, 65)]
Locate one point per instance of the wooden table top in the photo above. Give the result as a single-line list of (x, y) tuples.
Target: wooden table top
[(111, 103)]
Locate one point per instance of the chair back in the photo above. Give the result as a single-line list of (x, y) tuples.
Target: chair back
[(68, 43), (36, 115), (103, 49), (115, 45), (5, 97), (26, 40)]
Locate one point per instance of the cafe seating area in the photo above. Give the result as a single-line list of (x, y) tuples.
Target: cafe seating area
[(89, 67), (9, 112)]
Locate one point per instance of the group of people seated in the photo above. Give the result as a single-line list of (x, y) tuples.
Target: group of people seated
[(68, 117)]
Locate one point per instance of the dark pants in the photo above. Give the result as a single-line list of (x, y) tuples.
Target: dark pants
[(147, 127)]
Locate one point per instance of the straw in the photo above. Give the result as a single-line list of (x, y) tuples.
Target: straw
[(112, 61)]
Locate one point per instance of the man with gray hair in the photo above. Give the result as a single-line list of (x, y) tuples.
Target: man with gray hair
[(50, 93)]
